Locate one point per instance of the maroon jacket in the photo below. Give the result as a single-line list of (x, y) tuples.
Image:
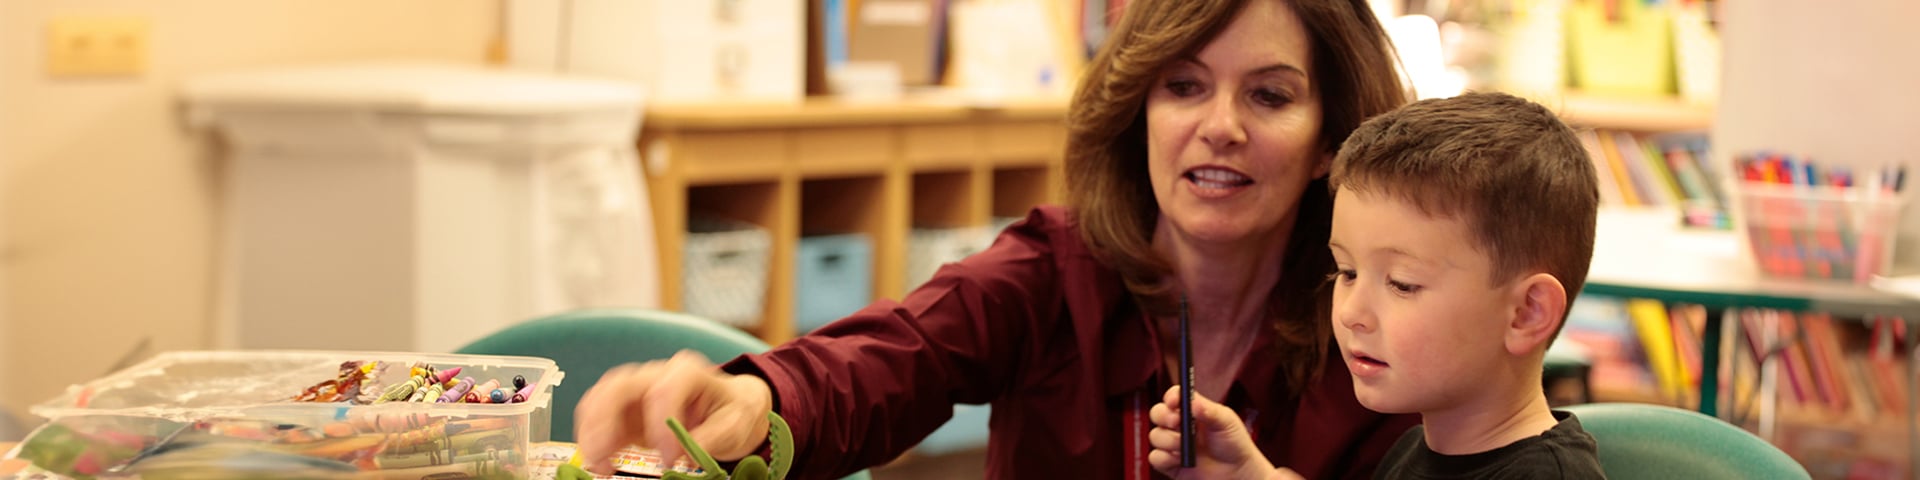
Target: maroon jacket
[(1049, 336)]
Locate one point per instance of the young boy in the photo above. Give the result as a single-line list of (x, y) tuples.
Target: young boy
[(1462, 229)]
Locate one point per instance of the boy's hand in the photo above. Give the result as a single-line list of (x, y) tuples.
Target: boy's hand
[(727, 414), (1225, 448)]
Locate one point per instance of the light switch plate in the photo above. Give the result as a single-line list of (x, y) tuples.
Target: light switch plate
[(96, 46)]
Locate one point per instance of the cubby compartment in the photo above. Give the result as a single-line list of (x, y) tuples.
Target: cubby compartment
[(729, 252), (1016, 190), (949, 222), (834, 264), (947, 199)]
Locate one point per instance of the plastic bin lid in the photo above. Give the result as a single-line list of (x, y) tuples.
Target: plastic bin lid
[(411, 87)]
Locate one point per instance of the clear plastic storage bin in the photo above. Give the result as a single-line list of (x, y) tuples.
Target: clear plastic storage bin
[(231, 414), (1819, 232)]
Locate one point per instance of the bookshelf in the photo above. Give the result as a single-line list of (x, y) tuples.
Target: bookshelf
[(1644, 253), (825, 165)]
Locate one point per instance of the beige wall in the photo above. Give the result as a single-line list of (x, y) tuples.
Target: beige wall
[(108, 207)]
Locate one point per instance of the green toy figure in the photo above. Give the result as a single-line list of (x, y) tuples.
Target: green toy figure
[(779, 438)]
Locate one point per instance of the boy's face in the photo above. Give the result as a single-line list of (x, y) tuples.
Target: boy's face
[(1420, 326)]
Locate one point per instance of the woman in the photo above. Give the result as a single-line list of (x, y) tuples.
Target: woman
[(1199, 141)]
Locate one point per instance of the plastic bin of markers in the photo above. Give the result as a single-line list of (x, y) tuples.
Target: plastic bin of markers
[(231, 414), (1820, 233)]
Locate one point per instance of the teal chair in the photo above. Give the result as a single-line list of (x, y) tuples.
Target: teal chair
[(586, 343), (1655, 441)]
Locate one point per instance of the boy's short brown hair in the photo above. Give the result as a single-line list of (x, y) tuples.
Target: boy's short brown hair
[(1507, 167)]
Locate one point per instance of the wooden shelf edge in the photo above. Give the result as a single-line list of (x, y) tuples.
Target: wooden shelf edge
[(829, 111), (1644, 114)]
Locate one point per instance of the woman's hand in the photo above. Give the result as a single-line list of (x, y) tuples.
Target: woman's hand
[(725, 414), (1225, 448)]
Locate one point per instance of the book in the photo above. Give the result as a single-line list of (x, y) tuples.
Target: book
[(1687, 322), (1866, 403), (1794, 360), (1824, 359), (1611, 192), (1600, 323), (1650, 322), (1626, 152), (1657, 162)]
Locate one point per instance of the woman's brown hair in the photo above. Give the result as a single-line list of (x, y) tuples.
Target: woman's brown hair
[(1352, 71)]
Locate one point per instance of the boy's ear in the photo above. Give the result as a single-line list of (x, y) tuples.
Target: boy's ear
[(1543, 300)]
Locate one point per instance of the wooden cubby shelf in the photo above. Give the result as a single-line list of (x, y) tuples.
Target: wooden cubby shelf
[(825, 166)]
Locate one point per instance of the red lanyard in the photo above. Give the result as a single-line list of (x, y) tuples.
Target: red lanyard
[(1136, 447)]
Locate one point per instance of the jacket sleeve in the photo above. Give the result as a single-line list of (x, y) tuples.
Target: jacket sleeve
[(862, 390)]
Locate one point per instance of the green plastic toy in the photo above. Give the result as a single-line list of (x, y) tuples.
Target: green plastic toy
[(779, 438)]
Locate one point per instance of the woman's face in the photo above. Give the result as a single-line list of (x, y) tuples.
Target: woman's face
[(1232, 132)]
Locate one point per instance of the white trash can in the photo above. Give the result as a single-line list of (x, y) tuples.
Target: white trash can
[(418, 207)]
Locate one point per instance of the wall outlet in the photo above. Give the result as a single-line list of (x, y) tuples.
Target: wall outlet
[(96, 46)]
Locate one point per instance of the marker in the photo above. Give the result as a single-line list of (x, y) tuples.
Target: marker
[(522, 395), (1186, 389)]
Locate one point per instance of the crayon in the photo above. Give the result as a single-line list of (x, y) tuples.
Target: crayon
[(522, 395), (390, 422), (480, 393), (400, 391), (447, 375), (431, 394), (458, 392)]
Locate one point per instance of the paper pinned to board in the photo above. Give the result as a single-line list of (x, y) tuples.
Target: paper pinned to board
[(1007, 50)]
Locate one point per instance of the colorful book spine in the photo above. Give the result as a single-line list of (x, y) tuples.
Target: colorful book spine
[(1650, 322)]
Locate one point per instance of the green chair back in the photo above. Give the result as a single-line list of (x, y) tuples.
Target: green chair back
[(586, 343), (1656, 441)]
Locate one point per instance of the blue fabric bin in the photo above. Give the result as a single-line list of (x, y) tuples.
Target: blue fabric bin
[(833, 277)]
